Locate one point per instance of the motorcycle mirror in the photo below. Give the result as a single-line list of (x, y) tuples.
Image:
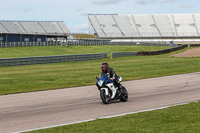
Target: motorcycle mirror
[(96, 77)]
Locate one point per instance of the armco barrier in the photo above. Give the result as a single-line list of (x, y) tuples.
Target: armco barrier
[(50, 59), (162, 51), (123, 54), (77, 58)]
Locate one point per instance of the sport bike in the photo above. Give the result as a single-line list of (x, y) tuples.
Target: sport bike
[(109, 91)]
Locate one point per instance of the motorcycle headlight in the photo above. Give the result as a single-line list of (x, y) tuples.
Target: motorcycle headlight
[(100, 82)]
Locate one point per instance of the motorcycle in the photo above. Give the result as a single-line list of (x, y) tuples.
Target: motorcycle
[(109, 91)]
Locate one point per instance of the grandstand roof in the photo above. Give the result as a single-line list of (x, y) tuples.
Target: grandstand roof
[(34, 27)]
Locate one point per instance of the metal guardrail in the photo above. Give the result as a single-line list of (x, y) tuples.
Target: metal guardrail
[(164, 51), (50, 59), (77, 58), (123, 54)]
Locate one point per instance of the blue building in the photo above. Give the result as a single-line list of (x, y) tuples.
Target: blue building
[(32, 31)]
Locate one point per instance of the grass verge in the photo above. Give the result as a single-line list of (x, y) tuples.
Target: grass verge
[(184, 118), (30, 78), (178, 119), (63, 50)]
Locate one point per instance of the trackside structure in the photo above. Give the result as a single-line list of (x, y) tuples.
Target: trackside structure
[(132, 26), (32, 31)]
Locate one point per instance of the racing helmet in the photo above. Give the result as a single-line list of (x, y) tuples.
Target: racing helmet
[(104, 67)]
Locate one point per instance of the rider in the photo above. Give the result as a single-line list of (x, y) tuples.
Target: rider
[(111, 73)]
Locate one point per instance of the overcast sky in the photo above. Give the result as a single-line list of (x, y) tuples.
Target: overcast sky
[(74, 12)]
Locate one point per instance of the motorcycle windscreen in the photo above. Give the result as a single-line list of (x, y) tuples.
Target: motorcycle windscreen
[(102, 75)]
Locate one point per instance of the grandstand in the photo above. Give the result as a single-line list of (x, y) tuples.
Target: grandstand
[(133, 26), (32, 31)]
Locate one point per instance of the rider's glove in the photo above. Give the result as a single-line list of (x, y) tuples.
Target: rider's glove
[(112, 78)]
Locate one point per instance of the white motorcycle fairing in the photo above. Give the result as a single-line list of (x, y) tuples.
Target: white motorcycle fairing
[(112, 88), (106, 90)]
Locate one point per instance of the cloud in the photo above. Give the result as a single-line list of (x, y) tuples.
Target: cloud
[(79, 9), (170, 1), (27, 10), (83, 28), (153, 1), (187, 6), (105, 2), (145, 1), (84, 14), (81, 12)]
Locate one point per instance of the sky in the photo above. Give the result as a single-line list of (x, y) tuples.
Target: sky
[(74, 13)]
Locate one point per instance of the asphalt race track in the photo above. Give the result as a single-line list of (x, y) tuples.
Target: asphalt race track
[(26, 111)]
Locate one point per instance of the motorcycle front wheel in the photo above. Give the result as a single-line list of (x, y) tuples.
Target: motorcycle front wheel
[(105, 98), (124, 96)]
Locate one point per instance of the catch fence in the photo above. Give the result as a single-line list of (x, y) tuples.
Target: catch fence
[(28, 44), (83, 42)]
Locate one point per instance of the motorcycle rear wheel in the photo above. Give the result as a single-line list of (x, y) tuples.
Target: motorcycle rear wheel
[(105, 98)]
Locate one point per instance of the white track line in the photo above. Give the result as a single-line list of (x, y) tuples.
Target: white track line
[(102, 117)]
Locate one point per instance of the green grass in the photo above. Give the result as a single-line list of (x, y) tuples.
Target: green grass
[(58, 50), (30, 78), (178, 119)]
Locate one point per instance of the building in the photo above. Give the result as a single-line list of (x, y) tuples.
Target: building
[(33, 31)]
